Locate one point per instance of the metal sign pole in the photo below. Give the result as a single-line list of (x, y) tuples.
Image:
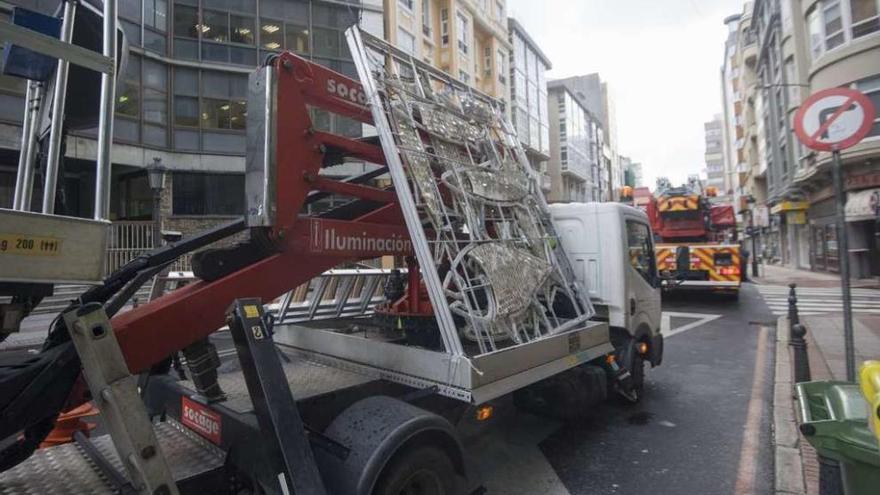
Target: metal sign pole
[(105, 117), (843, 256)]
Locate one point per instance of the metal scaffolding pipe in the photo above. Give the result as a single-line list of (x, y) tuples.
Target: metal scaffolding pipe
[(25, 144), (105, 118), (31, 150), (58, 102)]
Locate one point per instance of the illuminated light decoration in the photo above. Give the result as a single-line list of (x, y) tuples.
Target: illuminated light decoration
[(270, 28), (272, 46), (224, 107), (123, 99), (204, 28), (244, 31)]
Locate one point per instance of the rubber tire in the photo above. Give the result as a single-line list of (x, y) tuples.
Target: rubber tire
[(425, 459), (637, 370)]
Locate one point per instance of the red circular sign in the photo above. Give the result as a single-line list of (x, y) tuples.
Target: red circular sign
[(834, 119)]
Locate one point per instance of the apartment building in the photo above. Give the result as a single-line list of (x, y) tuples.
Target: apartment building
[(577, 147), (181, 99), (713, 132), (745, 141), (465, 38), (731, 112), (595, 96), (804, 46), (528, 97)]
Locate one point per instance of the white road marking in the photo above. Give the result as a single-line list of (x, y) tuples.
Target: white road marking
[(748, 454), (665, 322)]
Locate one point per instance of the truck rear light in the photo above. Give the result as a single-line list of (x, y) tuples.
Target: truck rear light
[(729, 271), (484, 412), (643, 348)]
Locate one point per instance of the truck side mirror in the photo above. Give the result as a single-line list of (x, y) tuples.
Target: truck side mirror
[(682, 261)]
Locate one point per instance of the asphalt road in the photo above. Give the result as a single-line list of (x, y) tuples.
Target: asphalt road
[(687, 435), (703, 425)]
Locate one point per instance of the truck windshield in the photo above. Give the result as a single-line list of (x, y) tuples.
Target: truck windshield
[(641, 249)]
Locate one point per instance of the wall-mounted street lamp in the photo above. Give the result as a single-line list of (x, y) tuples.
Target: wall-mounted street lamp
[(156, 177)]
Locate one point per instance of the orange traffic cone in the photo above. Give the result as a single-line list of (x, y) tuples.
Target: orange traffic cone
[(70, 422)]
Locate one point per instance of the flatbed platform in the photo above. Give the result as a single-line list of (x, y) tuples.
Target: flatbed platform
[(68, 468)]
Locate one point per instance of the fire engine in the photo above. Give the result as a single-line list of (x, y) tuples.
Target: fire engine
[(693, 230)]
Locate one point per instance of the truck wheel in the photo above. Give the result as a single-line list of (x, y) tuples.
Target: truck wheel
[(637, 370), (420, 471)]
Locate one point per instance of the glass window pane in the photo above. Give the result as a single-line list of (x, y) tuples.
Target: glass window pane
[(271, 34), (238, 86), (186, 111), (215, 26), (185, 49), (130, 9), (243, 56), (223, 142), (186, 81), (132, 32), (155, 75), (296, 38), (155, 136), (126, 130), (215, 84), (127, 99), (208, 194), (156, 14), (242, 29), (215, 113), (326, 42), (186, 140), (215, 52), (237, 114), (154, 41), (186, 20), (155, 106)]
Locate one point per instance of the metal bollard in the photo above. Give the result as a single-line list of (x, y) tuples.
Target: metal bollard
[(793, 318), (799, 347)]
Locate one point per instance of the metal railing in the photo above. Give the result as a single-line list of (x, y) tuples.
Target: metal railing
[(339, 293), (127, 240)]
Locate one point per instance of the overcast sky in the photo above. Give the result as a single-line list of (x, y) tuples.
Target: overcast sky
[(661, 58)]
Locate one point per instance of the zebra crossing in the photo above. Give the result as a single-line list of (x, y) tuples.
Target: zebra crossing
[(819, 300)]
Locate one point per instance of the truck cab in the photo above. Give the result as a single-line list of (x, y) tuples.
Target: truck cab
[(624, 289)]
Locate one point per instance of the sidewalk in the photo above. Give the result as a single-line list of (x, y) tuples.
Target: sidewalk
[(797, 469), (781, 275)]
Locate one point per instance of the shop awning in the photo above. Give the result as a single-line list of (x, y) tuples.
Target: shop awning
[(862, 205)]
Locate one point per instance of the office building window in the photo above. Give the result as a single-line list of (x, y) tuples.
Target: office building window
[(223, 104), (156, 14), (499, 10), (834, 23), (241, 29), (271, 35), (128, 98), (155, 92), (871, 88), (865, 17), (463, 35), (297, 38), (129, 9), (186, 21), (501, 66), (406, 41), (426, 17), (207, 194), (444, 27), (406, 4)]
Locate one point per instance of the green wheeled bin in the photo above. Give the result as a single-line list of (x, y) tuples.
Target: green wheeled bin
[(834, 419)]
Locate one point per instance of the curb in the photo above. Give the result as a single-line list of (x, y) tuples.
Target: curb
[(788, 463)]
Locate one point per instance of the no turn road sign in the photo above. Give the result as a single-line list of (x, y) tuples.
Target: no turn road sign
[(834, 119)]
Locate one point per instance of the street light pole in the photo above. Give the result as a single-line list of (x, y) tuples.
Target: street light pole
[(843, 256), (156, 177)]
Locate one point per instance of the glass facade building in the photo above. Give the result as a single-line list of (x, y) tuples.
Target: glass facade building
[(182, 95), (528, 95)]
